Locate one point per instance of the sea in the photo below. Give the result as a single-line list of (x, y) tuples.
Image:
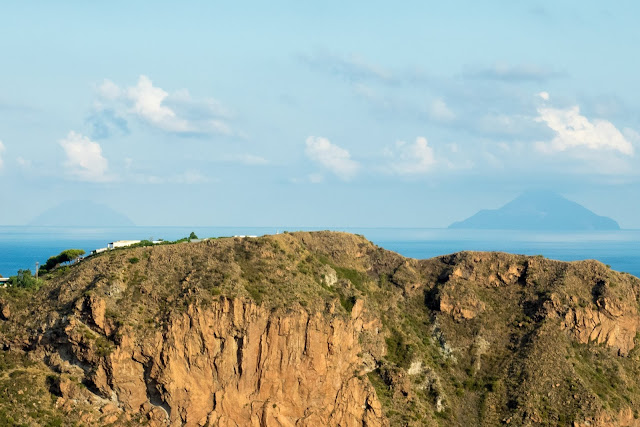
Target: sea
[(22, 247)]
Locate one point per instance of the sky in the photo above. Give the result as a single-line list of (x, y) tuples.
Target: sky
[(332, 113)]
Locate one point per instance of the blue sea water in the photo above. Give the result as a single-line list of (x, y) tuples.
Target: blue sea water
[(21, 247)]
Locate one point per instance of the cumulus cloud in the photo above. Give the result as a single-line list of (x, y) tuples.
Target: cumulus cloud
[(575, 131), (334, 158), (411, 159), (84, 158), (1, 151), (109, 90), (176, 112), (148, 104), (544, 95)]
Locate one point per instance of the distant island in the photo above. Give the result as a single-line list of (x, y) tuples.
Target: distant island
[(81, 213), (538, 210)]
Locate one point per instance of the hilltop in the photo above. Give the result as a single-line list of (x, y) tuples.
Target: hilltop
[(320, 328), (538, 210)]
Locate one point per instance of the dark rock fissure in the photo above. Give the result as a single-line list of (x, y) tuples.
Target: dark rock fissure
[(239, 345), (154, 390)]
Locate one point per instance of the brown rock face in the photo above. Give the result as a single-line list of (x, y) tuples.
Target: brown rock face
[(464, 308), (604, 327), (5, 312), (235, 363), (613, 320)]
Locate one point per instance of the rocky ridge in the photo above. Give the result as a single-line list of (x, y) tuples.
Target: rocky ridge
[(322, 329)]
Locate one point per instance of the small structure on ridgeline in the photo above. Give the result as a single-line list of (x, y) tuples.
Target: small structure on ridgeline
[(3, 281), (122, 244)]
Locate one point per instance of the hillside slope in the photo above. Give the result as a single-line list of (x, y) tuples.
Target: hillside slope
[(320, 329)]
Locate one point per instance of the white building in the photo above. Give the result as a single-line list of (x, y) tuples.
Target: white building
[(122, 244)]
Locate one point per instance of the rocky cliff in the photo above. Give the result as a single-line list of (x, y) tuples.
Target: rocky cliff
[(316, 329)]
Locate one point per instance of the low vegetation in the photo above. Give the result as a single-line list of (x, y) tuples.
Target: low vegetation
[(65, 256)]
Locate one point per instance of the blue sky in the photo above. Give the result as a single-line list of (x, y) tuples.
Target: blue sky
[(317, 114)]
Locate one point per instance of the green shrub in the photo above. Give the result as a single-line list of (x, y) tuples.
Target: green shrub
[(25, 280), (141, 244), (64, 256), (398, 350), (347, 302)]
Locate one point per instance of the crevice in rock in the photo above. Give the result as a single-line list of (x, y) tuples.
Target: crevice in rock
[(239, 349), (67, 355), (153, 391)]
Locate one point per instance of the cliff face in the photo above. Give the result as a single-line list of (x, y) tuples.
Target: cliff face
[(236, 363), (321, 329)]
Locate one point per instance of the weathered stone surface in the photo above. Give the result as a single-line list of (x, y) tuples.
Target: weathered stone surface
[(5, 312), (97, 307), (461, 308), (235, 363), (604, 327)]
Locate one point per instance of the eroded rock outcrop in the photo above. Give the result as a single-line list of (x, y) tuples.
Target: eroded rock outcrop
[(615, 329), (236, 363)]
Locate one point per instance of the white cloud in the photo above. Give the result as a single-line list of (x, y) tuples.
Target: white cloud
[(631, 135), (544, 95), (147, 103), (439, 111), (411, 159), (1, 150), (175, 112), (84, 158), (218, 126), (336, 159), (109, 90), (575, 131)]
